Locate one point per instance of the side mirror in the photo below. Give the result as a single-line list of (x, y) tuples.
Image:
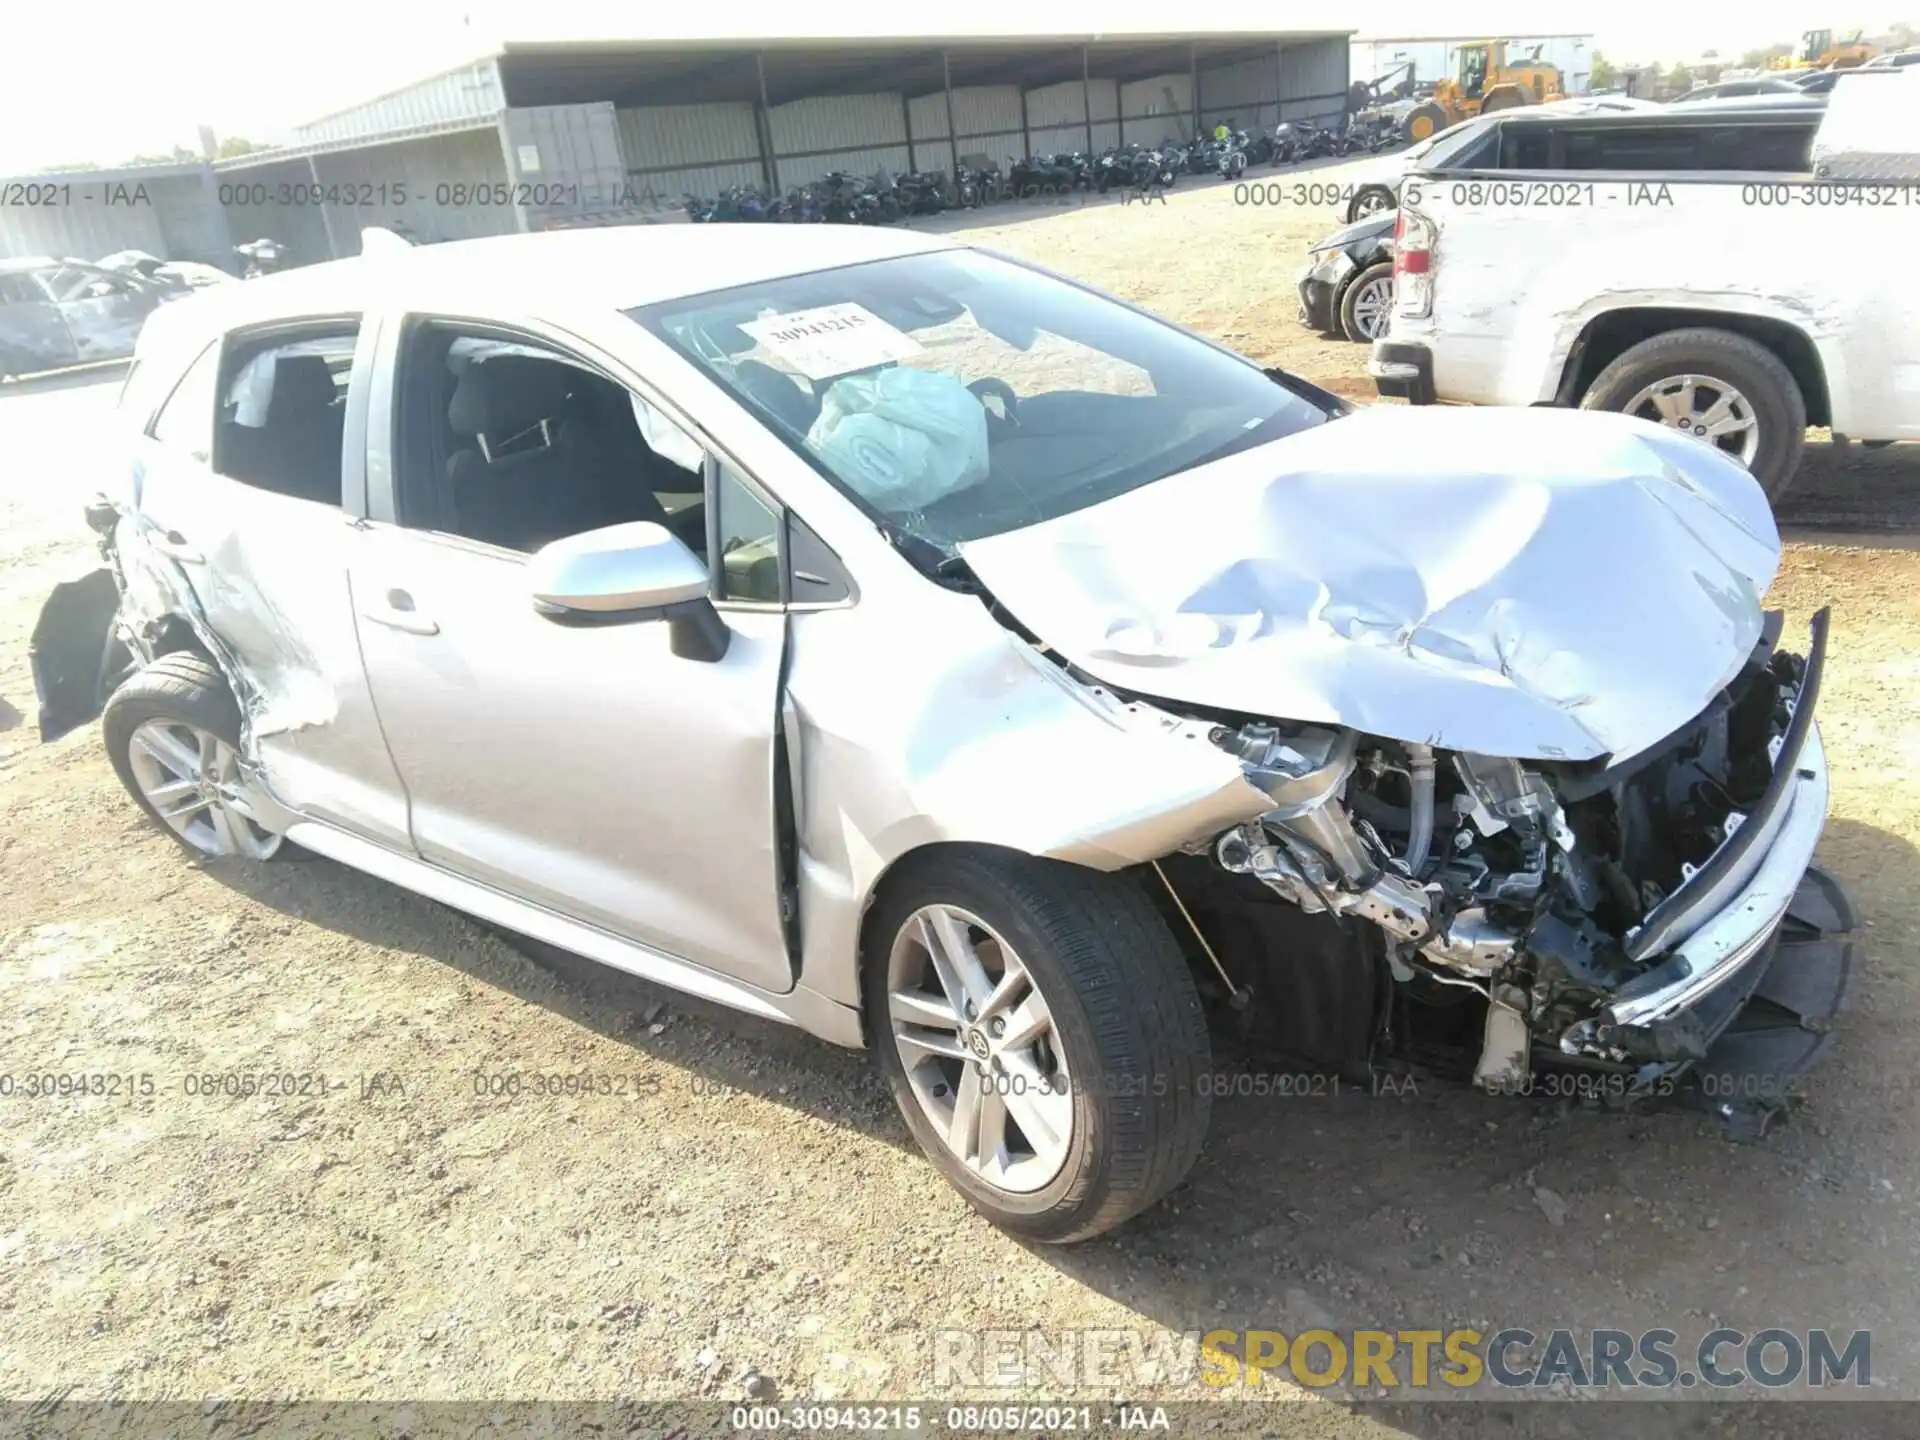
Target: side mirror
[(624, 574)]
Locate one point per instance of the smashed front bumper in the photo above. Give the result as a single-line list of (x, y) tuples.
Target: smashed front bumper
[(1754, 922)]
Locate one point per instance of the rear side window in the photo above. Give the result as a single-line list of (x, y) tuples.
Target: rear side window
[(18, 289), (282, 413), (1704, 148)]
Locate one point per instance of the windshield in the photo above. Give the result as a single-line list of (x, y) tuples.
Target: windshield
[(956, 396)]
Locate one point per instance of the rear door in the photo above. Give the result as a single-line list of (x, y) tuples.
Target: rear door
[(102, 311), (251, 488)]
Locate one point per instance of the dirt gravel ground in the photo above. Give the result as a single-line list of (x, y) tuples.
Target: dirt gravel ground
[(750, 1202)]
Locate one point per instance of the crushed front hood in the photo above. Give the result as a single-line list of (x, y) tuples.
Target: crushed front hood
[(1528, 583)]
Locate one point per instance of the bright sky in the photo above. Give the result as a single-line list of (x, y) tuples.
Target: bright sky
[(105, 91)]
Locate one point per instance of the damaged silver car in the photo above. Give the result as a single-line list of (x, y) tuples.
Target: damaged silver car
[(910, 645)]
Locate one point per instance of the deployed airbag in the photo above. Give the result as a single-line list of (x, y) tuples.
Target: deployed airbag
[(902, 438)]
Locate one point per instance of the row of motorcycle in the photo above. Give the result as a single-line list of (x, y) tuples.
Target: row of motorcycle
[(842, 197)]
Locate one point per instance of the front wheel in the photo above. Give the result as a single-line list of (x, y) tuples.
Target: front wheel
[(1371, 200), (1367, 306), (1042, 1037), (1720, 388)]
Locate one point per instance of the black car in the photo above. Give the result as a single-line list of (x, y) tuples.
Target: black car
[(1347, 287)]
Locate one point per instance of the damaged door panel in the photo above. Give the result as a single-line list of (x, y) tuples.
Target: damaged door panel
[(241, 527), (33, 332)]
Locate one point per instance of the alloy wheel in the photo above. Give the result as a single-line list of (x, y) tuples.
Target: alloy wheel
[(194, 783), (1373, 307), (1705, 407), (978, 1045)]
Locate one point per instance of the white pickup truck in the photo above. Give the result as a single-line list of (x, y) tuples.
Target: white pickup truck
[(1729, 268)]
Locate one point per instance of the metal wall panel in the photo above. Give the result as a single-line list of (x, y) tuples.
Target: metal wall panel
[(1245, 93), (837, 122), (448, 187), (95, 216), (987, 117), (192, 223), (564, 162), (860, 133), (676, 150), (1158, 108), (1313, 81), (470, 93), (1057, 115), (270, 202)]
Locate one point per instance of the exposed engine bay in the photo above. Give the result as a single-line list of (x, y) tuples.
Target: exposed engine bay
[(1564, 895)]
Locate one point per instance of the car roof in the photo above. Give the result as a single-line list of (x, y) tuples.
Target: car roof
[(1714, 109), (605, 268)]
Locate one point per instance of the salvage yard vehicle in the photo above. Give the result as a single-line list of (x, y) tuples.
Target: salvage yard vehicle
[(55, 313), (908, 644), (1485, 83), (1676, 265), (1347, 285), (1375, 185)]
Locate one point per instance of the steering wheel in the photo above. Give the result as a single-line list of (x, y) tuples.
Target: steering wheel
[(999, 389)]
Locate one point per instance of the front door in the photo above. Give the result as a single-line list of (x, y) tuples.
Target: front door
[(590, 771)]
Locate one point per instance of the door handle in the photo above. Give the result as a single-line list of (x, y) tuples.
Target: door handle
[(397, 613), (173, 545)]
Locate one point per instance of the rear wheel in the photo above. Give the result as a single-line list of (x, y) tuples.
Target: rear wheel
[(173, 735), (1042, 1037), (1367, 306), (1718, 387)]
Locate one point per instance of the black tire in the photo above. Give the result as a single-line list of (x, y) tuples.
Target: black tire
[(1749, 367), (183, 686), (1125, 1010), (1370, 200), (1371, 276)]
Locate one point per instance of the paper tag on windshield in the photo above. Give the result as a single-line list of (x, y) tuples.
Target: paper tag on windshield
[(832, 340)]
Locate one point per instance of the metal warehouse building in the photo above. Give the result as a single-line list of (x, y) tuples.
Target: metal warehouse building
[(540, 135)]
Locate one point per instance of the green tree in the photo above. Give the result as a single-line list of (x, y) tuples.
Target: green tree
[(179, 155), (1680, 79), (237, 145), (1602, 75), (69, 165)]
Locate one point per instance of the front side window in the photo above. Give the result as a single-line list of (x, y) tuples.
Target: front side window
[(955, 395), (512, 443)]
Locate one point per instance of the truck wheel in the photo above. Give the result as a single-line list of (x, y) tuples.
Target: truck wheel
[(1367, 306), (1042, 1037), (173, 732), (1721, 388)]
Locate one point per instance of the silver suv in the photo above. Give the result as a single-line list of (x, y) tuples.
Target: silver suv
[(904, 643)]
